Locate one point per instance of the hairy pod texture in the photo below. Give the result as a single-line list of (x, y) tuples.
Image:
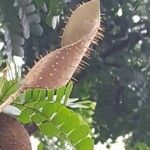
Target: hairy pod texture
[(13, 135), (56, 69)]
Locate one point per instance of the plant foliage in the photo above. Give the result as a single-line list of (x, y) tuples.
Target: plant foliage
[(142, 146), (47, 109)]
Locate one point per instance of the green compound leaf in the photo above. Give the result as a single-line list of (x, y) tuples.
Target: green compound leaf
[(7, 88), (86, 143), (71, 122), (68, 91), (60, 95), (24, 117), (79, 133), (61, 116), (49, 109), (38, 118), (49, 129), (54, 119), (45, 109)]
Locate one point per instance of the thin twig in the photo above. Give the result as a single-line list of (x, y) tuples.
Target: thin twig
[(11, 98)]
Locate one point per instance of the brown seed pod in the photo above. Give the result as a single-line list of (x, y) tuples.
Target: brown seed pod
[(82, 22), (13, 135), (57, 68)]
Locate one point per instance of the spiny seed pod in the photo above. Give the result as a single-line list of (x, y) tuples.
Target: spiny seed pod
[(13, 135), (57, 68), (83, 21)]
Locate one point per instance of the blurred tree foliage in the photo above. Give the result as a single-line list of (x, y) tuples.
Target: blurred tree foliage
[(118, 77)]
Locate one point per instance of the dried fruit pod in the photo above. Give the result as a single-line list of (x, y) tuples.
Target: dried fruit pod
[(13, 135), (82, 22), (56, 69)]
